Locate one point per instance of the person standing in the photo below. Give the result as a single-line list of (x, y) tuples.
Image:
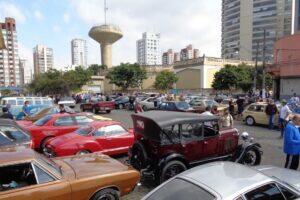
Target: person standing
[(227, 119), (61, 108), (283, 116), (271, 111), (26, 109), (291, 145), (231, 108), (6, 114), (240, 105), (295, 99)]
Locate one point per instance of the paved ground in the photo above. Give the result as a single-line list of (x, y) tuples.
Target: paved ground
[(269, 139)]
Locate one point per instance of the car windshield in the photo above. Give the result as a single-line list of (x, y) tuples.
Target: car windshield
[(50, 163), (40, 111), (182, 105), (85, 130), (43, 120)]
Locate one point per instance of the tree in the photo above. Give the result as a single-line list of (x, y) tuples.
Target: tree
[(165, 80), (226, 78), (127, 75), (96, 69), (77, 78)]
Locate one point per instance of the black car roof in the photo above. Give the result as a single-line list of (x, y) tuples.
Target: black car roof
[(166, 118)]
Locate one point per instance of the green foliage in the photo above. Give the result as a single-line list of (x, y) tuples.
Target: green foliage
[(96, 69), (165, 80), (127, 75), (56, 82), (239, 77)]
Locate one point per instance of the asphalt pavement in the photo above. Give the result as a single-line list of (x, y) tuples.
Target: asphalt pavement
[(269, 140)]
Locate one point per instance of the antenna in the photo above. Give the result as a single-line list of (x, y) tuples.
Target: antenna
[(105, 9)]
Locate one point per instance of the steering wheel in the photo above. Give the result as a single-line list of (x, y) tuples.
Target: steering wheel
[(26, 173)]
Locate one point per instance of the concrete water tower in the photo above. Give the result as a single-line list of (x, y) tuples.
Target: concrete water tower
[(106, 35)]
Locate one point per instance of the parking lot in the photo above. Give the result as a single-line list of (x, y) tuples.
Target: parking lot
[(269, 139)]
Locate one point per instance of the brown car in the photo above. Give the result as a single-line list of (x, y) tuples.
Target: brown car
[(25, 174), (46, 111)]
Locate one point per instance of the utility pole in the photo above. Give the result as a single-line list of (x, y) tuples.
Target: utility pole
[(255, 72), (264, 67)]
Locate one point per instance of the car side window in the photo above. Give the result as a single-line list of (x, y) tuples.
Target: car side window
[(265, 192), (191, 131), (100, 132), (252, 108), (114, 130), (82, 120), (170, 135), (16, 176), (287, 193), (162, 106), (64, 121), (13, 133), (171, 106), (42, 176), (210, 130)]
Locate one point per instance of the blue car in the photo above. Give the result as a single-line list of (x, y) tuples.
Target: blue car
[(32, 110), (121, 102)]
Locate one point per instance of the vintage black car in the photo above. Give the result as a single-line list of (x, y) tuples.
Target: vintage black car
[(167, 143), (12, 134)]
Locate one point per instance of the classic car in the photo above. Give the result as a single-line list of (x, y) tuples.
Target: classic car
[(200, 104), (108, 137), (12, 134), (51, 126), (255, 113), (178, 106), (228, 181), (97, 105), (67, 101), (167, 143), (46, 111), (25, 174), (121, 102), (147, 103)]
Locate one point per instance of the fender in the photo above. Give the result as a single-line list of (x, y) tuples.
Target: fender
[(243, 148), (173, 156)]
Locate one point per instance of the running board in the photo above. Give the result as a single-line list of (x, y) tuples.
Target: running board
[(210, 160)]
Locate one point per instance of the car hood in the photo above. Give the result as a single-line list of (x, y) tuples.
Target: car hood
[(285, 175), (62, 102), (64, 139), (95, 164)]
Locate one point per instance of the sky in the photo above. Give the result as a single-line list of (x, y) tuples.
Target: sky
[(55, 23)]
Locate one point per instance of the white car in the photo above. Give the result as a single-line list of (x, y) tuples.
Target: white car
[(148, 103), (67, 101)]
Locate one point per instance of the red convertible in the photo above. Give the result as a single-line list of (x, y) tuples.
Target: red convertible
[(51, 126), (108, 137)]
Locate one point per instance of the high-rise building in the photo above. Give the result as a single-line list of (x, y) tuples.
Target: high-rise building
[(9, 58), (244, 23), (189, 53), (148, 49), (79, 52), (42, 59), (296, 16), (168, 57), (22, 67), (176, 57)]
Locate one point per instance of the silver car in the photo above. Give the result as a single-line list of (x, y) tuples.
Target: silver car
[(230, 181)]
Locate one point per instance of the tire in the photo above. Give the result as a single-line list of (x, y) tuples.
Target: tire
[(139, 157), (250, 121), (106, 194), (44, 141), (108, 111), (82, 152), (171, 169), (144, 108), (121, 106), (94, 111), (249, 159)]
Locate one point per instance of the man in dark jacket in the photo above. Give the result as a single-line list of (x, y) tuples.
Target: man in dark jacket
[(271, 111), (6, 114)]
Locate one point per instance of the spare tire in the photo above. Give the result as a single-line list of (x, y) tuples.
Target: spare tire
[(139, 157)]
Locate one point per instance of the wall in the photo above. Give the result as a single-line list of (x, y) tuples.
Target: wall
[(188, 79), (288, 87)]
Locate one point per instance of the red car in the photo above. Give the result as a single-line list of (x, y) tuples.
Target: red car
[(51, 126), (108, 137), (96, 105)]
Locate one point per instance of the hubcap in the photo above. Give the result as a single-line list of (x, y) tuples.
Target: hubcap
[(250, 121), (250, 158), (107, 197), (173, 171)]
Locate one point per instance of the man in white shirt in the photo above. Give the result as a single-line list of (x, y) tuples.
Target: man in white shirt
[(207, 113), (285, 111), (295, 99)]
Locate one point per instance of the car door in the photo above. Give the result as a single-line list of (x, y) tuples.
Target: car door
[(262, 117), (39, 184), (192, 141), (65, 124), (210, 141)]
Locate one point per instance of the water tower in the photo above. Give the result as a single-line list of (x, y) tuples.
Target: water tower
[(106, 35)]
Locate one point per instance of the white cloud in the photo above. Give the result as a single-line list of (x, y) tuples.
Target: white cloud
[(10, 10), (38, 15), (66, 17), (56, 28), (179, 22)]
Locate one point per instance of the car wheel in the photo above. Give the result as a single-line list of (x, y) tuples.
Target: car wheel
[(171, 169), (95, 111), (139, 158), (44, 141), (108, 111), (82, 152), (121, 106), (250, 121), (252, 157), (144, 108), (106, 194)]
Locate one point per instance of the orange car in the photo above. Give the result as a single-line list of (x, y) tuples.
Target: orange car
[(25, 174)]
